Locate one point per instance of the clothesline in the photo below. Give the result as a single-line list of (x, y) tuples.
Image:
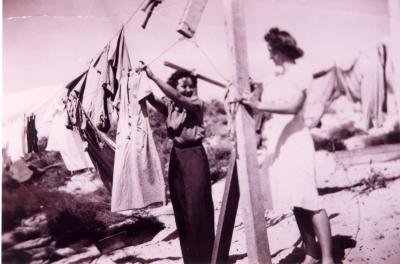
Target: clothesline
[(166, 50)]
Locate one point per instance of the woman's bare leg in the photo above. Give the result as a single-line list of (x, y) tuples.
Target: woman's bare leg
[(322, 229)]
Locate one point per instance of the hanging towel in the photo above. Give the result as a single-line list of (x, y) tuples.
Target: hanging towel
[(138, 179), (68, 143)]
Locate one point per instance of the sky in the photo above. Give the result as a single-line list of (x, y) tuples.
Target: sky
[(49, 42)]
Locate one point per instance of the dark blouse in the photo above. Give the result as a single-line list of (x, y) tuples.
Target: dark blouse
[(185, 126)]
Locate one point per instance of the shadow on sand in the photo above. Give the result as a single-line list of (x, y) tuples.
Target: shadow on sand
[(339, 244)]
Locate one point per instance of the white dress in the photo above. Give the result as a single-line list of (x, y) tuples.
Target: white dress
[(287, 153)]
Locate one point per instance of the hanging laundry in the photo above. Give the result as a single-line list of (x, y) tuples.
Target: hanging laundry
[(97, 101), (31, 134), (101, 152), (15, 135), (120, 61), (71, 85), (138, 179), (68, 142), (73, 111), (365, 81)]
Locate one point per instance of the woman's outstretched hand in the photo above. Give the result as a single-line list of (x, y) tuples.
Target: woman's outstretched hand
[(250, 100), (143, 67)]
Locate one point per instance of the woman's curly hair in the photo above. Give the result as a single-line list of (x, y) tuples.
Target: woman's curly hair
[(282, 41), (173, 79)]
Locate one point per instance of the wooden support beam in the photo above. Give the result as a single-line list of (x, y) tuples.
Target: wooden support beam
[(199, 76), (247, 165), (227, 215), (191, 17), (375, 154)]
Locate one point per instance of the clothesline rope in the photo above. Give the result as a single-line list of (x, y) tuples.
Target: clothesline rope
[(215, 68), (166, 50), (122, 26), (96, 90), (164, 7)]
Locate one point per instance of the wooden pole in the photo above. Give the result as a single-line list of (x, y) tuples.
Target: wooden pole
[(247, 166), (227, 215)]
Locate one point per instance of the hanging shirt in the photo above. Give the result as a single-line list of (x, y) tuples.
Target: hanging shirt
[(183, 126), (138, 179)]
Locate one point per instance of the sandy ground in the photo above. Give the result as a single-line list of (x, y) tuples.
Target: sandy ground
[(365, 228)]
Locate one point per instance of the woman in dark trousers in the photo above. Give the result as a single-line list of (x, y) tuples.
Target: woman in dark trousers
[(189, 172)]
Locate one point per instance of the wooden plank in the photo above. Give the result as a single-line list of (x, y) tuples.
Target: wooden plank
[(247, 165), (191, 17), (227, 215), (373, 154), (199, 76)]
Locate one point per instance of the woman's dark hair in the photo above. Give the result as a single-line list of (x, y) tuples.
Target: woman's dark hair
[(282, 41), (173, 79)]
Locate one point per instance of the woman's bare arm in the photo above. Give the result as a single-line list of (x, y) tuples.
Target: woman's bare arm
[(289, 104), (170, 92)]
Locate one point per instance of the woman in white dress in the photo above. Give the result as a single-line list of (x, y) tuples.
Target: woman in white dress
[(290, 148)]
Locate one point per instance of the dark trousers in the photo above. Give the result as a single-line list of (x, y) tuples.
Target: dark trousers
[(190, 189)]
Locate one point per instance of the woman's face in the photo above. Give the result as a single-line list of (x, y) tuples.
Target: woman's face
[(185, 86), (276, 56)]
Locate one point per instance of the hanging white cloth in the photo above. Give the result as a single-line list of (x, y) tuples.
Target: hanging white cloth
[(138, 179), (68, 143), (15, 139)]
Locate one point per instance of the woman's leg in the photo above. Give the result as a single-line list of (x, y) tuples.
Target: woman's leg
[(322, 229), (306, 227)]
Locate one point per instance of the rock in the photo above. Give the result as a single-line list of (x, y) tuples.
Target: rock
[(88, 255), (20, 171), (8, 239), (34, 221), (26, 233), (34, 243), (40, 254), (103, 260), (82, 184), (64, 252)]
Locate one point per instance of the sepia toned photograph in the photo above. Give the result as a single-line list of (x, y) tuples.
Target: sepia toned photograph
[(200, 131)]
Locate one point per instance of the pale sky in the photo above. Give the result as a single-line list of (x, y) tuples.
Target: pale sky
[(49, 42)]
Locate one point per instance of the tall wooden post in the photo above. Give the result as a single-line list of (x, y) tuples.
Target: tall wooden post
[(246, 160)]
